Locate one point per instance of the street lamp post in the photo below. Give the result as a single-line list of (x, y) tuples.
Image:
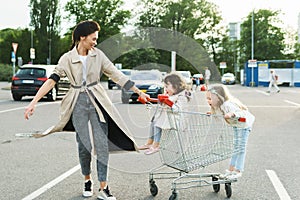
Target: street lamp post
[(31, 46), (252, 48), (49, 56)]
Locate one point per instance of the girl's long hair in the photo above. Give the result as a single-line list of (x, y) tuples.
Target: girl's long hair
[(223, 95), (82, 29)]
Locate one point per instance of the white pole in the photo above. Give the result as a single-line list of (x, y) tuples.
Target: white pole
[(173, 61)]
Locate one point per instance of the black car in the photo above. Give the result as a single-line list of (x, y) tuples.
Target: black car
[(29, 78), (112, 84), (148, 81)]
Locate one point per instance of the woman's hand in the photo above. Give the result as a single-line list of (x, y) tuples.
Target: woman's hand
[(145, 97), (29, 110)]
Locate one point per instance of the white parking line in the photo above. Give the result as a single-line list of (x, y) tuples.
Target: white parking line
[(51, 184), (23, 108), (293, 103), (281, 191)]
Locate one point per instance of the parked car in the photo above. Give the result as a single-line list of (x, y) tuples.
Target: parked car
[(148, 81), (228, 78), (29, 78), (198, 76), (112, 84), (187, 77)]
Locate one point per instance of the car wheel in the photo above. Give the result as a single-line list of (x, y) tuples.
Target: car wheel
[(17, 97), (52, 96)]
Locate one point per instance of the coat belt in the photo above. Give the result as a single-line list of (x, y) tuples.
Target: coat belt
[(84, 88), (84, 85)]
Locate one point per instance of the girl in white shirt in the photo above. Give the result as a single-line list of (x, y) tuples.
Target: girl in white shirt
[(221, 102)]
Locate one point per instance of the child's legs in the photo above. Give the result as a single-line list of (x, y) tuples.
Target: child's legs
[(238, 159), (235, 155), (151, 134), (157, 135)]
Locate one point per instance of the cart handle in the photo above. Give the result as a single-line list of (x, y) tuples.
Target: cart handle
[(160, 98), (240, 119), (148, 100)]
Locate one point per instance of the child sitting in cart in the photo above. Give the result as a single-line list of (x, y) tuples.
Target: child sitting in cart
[(237, 115), (177, 98)]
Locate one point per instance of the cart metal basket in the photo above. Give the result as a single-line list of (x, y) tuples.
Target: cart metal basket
[(194, 141)]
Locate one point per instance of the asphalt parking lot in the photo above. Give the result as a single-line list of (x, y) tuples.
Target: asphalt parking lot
[(47, 168)]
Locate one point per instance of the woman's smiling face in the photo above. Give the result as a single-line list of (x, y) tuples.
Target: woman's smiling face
[(90, 41)]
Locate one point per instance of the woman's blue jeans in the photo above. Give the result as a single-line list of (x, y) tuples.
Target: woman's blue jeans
[(83, 113), (240, 145)]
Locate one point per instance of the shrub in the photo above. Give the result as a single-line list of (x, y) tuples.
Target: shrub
[(6, 72)]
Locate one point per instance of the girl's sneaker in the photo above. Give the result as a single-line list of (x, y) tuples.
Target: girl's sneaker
[(227, 173), (88, 190), (235, 175), (105, 194), (144, 147), (151, 150)]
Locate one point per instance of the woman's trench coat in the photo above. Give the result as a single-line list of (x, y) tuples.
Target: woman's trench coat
[(97, 64)]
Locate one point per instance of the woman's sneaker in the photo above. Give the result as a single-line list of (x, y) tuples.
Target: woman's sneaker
[(105, 194), (88, 190)]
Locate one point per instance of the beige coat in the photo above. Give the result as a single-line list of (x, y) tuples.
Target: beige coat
[(97, 64)]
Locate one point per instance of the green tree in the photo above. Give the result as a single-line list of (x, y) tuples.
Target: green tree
[(20, 36), (106, 12), (268, 38), (228, 53), (198, 19), (45, 20)]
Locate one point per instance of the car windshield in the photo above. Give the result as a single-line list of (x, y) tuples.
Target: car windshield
[(145, 76), (228, 75), (31, 72)]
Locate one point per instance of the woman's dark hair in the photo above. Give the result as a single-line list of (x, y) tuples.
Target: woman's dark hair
[(82, 29)]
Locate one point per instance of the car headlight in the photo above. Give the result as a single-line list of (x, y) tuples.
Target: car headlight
[(153, 87)]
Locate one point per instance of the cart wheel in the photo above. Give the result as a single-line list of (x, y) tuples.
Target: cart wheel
[(153, 188), (228, 190), (216, 187), (173, 196)]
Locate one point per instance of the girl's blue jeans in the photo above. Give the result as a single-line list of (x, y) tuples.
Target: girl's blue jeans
[(155, 132), (240, 144)]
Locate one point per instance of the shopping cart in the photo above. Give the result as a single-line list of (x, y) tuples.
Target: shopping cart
[(195, 141)]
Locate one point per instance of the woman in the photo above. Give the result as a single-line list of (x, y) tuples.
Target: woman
[(86, 102)]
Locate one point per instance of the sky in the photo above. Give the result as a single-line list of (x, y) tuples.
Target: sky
[(16, 13)]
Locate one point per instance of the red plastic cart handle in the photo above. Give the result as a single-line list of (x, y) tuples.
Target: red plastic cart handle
[(147, 100), (169, 102), (162, 97), (242, 119)]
